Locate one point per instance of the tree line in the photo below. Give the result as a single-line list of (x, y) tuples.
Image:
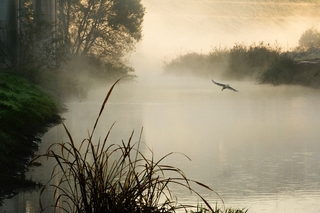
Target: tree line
[(262, 62), (95, 33)]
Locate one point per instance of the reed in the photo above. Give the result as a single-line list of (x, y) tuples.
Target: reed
[(108, 177), (201, 209)]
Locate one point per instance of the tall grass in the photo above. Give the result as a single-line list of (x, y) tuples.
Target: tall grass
[(200, 209), (100, 176)]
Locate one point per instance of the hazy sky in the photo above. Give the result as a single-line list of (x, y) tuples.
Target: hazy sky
[(174, 27)]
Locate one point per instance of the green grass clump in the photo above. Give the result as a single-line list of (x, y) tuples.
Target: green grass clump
[(25, 113), (24, 108), (99, 176)]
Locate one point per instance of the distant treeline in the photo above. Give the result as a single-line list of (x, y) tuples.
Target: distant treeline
[(262, 62)]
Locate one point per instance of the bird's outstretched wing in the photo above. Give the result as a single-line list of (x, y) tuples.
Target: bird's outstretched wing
[(222, 85), (225, 86), (232, 89)]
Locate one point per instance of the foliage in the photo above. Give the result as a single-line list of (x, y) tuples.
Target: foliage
[(217, 60), (236, 63), (99, 33), (250, 62), (36, 46), (188, 63), (309, 40), (281, 71), (25, 113), (106, 177), (106, 29), (285, 70), (39, 43), (102, 30), (81, 74), (264, 63), (200, 209), (96, 35)]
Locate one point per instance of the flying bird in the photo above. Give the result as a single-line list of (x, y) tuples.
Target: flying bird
[(224, 86)]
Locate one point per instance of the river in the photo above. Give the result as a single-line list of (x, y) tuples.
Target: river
[(258, 149)]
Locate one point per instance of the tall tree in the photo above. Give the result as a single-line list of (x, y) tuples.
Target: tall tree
[(33, 45), (310, 40), (105, 29)]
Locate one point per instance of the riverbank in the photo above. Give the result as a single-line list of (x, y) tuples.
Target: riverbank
[(26, 113)]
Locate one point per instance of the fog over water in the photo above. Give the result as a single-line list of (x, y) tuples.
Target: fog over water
[(259, 148), (176, 27)]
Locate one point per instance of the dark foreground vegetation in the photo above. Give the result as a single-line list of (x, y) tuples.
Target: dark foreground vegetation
[(37, 49), (25, 114), (99, 175), (63, 58), (262, 62)]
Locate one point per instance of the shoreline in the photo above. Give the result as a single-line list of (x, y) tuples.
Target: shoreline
[(26, 113)]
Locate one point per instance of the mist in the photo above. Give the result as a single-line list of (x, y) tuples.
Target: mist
[(258, 148), (173, 28)]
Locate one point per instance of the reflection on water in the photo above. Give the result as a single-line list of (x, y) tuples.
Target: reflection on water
[(257, 149)]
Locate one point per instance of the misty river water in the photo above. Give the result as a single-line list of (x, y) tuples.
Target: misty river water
[(258, 149)]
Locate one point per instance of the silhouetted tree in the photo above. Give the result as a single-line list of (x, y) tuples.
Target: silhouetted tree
[(310, 40), (282, 71), (35, 45), (106, 29)]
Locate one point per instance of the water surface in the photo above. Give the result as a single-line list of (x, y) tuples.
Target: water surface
[(258, 149)]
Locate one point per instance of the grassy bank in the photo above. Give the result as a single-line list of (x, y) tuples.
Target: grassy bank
[(25, 114)]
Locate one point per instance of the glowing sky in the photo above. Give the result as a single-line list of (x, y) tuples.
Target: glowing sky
[(175, 27)]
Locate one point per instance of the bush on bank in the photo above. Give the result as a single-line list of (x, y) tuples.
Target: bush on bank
[(25, 114), (262, 63)]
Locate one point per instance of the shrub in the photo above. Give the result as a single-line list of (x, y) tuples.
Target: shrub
[(282, 71), (239, 62)]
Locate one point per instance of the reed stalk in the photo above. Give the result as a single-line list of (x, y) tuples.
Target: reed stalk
[(101, 176)]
